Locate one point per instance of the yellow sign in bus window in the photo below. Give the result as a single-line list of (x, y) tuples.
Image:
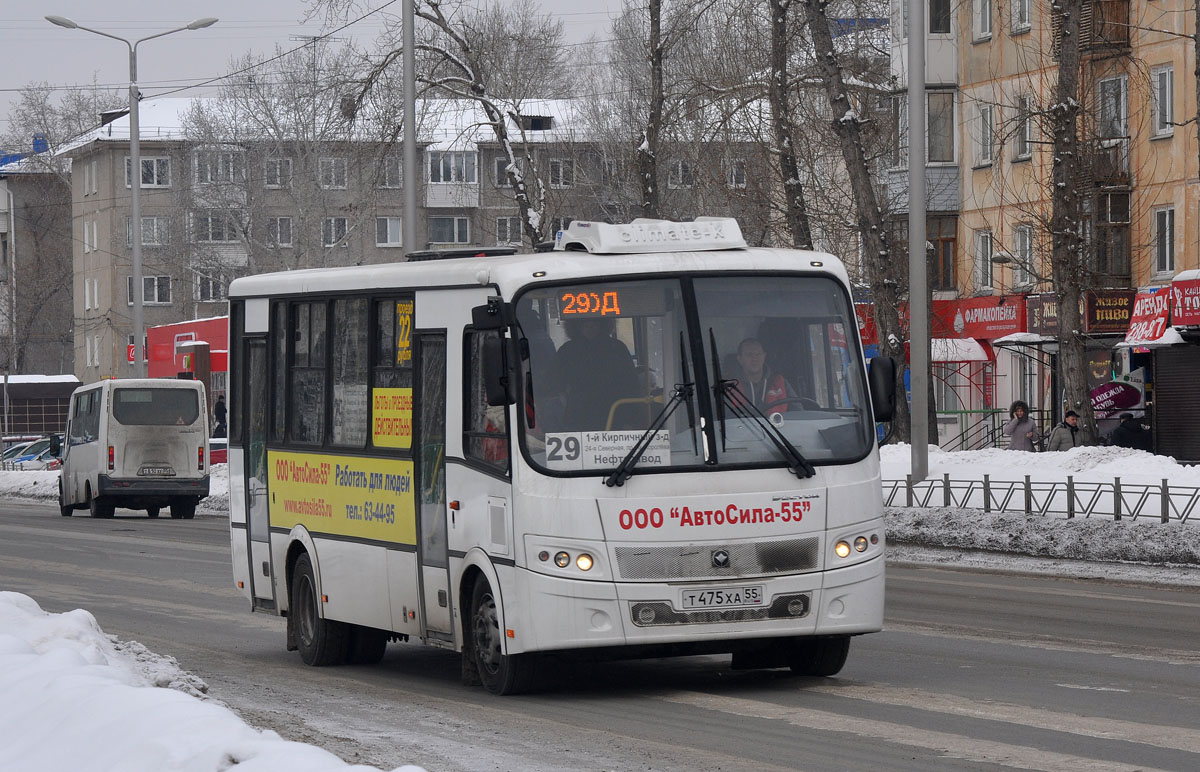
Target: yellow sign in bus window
[(392, 417), (404, 326), (366, 498)]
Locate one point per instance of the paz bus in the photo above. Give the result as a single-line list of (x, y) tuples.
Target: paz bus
[(561, 452)]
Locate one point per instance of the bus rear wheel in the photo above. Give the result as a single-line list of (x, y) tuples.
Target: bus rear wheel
[(367, 645), (99, 506), (500, 673), (321, 641), (820, 656), (183, 509), (151, 511)]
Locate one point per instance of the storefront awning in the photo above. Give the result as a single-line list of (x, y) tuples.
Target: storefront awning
[(1169, 337), (958, 350), (1031, 339)]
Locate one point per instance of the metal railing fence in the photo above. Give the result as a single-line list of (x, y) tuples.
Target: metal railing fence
[(1071, 498)]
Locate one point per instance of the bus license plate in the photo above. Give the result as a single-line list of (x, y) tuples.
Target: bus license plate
[(723, 597), (156, 471)]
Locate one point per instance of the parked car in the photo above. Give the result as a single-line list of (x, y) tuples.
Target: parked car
[(35, 449), (47, 459), (218, 450), (14, 450)]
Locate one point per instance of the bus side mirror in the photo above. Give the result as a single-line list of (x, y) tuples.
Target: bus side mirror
[(881, 378), (497, 375), (494, 315)]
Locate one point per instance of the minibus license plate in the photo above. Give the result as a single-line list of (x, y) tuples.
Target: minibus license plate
[(156, 471), (723, 597)]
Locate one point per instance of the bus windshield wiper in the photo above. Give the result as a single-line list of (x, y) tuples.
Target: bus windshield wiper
[(683, 391), (746, 410)]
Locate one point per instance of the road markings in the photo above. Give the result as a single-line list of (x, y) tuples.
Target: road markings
[(956, 746), (1092, 688)]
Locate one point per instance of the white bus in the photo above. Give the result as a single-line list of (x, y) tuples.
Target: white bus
[(135, 443), (552, 452)]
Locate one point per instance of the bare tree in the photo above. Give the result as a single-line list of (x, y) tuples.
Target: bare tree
[(885, 275)]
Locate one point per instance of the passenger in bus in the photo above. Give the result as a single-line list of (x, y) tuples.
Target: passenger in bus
[(768, 391), (590, 372)]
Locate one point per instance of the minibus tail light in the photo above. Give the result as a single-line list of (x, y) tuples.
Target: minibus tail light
[(200, 459), (112, 459)]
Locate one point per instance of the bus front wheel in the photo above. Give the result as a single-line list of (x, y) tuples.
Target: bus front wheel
[(500, 673), (321, 641), (820, 656), (64, 509)]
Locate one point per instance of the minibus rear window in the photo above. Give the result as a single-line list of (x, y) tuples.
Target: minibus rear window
[(156, 407)]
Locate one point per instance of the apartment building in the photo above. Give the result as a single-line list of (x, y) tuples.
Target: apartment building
[(1139, 225)]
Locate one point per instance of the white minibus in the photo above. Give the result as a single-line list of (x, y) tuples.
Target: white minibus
[(653, 440), (136, 444)]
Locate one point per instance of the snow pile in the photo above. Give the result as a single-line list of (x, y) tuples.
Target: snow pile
[(73, 699)]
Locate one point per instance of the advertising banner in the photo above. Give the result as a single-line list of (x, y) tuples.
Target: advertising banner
[(1149, 319), (1108, 310), (1185, 302), (1128, 392)]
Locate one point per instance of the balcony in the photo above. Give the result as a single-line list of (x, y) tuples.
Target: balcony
[(1104, 26), (1108, 162)]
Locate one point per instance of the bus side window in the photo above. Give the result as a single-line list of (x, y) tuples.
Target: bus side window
[(485, 428)]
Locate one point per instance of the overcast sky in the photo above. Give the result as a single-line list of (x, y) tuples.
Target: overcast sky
[(32, 49)]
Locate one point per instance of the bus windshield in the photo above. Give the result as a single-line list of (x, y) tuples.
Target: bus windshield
[(728, 361)]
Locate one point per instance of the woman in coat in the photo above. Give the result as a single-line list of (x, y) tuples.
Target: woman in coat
[(1066, 435), (1021, 430)]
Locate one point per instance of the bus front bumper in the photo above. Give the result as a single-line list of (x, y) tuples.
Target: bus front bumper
[(570, 614)]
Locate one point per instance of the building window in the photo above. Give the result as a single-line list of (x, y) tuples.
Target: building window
[(209, 289), (681, 175), (940, 122), (278, 173), (156, 290), (508, 230), (735, 173), (214, 166), (156, 172), (1021, 15), (333, 173), (898, 150), (940, 231), (449, 230), (1162, 84), (452, 167), (388, 232), (1023, 136), (501, 171), (939, 17), (1164, 240), (215, 226), (1113, 112), (1112, 234), (91, 240), (562, 172), (333, 231), (983, 259), (391, 172), (1022, 255), (154, 231), (985, 150), (279, 231), (982, 13)]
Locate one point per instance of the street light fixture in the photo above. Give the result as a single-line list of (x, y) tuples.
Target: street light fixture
[(135, 173)]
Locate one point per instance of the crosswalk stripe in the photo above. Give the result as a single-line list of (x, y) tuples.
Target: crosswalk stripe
[(952, 745)]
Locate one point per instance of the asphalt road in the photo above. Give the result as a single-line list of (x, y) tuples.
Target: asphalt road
[(976, 670)]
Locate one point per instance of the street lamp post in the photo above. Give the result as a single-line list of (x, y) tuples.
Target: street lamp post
[(135, 174)]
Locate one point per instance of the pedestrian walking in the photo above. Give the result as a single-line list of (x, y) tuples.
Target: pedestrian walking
[(1066, 435), (220, 413), (1022, 431)]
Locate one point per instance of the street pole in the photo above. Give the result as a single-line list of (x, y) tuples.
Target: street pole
[(135, 176), (918, 282), (410, 131)]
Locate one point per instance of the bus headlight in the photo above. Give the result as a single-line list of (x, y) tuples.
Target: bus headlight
[(584, 562), (842, 549), (562, 559)]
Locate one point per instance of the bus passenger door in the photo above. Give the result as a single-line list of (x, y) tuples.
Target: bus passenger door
[(436, 598), (257, 514)]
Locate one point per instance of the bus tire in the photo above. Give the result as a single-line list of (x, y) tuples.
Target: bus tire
[(183, 509), (500, 673), (66, 510), (151, 511), (99, 506), (367, 645), (321, 641), (820, 656)]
